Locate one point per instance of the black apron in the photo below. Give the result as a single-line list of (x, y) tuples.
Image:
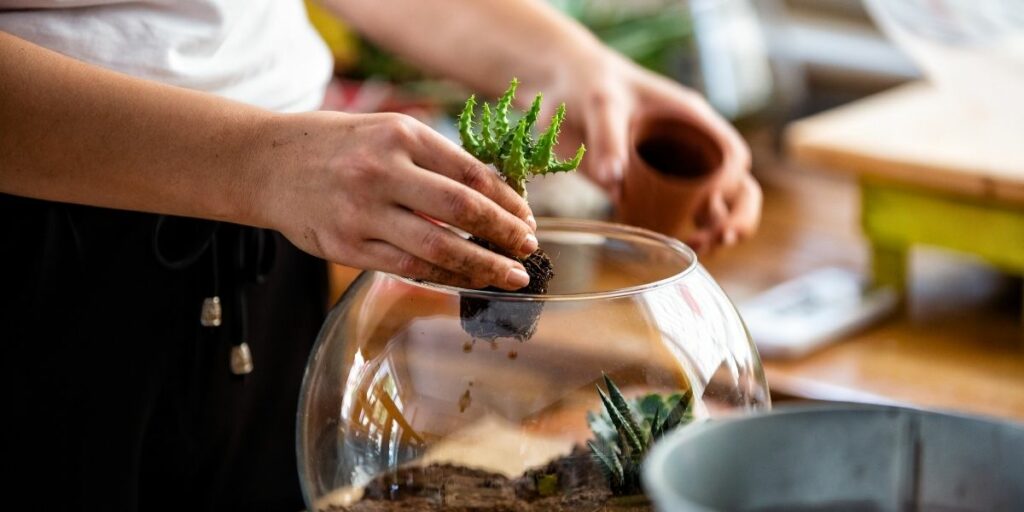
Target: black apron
[(116, 397)]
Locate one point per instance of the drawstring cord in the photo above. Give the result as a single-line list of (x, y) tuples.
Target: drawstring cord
[(179, 243)]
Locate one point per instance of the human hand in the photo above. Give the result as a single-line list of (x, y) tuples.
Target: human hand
[(615, 101), (369, 191)]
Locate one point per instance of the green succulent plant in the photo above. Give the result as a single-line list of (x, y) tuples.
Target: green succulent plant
[(626, 429), (511, 147)]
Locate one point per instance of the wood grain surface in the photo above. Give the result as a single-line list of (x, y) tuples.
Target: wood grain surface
[(918, 135), (959, 346)]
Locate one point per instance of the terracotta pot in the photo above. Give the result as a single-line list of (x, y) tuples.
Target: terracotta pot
[(672, 167)]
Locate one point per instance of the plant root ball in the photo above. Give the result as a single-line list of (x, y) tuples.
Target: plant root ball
[(488, 319)]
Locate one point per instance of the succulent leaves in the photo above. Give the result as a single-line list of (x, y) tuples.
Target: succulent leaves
[(511, 147), (625, 431), (469, 140)]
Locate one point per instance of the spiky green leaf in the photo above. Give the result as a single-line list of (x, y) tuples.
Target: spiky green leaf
[(655, 425), (514, 164), (512, 149), (621, 405), (488, 142), (656, 413), (469, 140), (543, 153), (501, 123), (678, 413), (601, 426), (568, 165), (505, 146), (609, 463), (533, 112), (624, 424)]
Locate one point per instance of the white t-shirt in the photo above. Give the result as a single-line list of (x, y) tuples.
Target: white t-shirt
[(261, 52)]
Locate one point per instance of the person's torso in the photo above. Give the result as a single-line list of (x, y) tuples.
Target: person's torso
[(261, 52)]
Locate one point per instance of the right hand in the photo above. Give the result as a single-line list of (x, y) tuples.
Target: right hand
[(611, 97), (368, 191)]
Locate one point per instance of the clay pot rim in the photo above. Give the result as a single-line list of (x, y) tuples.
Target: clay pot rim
[(714, 155), (584, 227)]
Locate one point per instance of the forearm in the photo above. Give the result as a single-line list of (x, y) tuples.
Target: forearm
[(481, 43), (76, 133)]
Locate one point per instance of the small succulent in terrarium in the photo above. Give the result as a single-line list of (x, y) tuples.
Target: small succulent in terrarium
[(626, 429), (517, 156)]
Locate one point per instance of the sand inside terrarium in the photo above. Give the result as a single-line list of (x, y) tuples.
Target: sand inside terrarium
[(491, 444)]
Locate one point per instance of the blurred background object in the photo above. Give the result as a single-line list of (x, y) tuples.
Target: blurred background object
[(959, 343), (828, 52), (973, 49), (732, 63)]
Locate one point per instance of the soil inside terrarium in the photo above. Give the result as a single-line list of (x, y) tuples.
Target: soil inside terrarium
[(491, 319), (574, 482)]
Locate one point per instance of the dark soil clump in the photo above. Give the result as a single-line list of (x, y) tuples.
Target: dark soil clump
[(490, 319), (571, 483)]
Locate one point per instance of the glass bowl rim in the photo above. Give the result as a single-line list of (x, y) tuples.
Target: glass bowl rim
[(597, 227)]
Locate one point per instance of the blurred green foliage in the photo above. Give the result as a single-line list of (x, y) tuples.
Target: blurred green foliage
[(653, 33)]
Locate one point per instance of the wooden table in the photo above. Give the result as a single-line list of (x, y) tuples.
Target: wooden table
[(933, 171), (957, 346)]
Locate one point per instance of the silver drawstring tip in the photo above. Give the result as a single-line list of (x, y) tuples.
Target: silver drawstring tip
[(211, 312), (241, 359)]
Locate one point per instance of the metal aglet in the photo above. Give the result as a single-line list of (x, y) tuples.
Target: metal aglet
[(241, 359), (211, 312)]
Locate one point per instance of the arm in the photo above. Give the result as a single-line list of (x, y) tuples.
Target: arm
[(76, 133), (483, 43), (348, 188)]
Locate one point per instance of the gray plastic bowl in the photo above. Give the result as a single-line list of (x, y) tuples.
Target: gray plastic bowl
[(847, 457)]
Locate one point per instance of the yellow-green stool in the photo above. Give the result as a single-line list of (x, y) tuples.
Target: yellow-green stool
[(933, 172)]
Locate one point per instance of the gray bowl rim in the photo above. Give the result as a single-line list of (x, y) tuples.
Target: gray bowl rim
[(658, 458)]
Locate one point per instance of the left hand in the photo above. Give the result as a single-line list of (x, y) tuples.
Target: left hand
[(607, 97)]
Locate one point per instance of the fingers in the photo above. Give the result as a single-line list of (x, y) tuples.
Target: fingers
[(701, 241), (444, 249), (744, 211), (607, 133), (460, 206), (728, 219), (440, 155), (710, 224), (714, 213), (733, 209), (381, 255)]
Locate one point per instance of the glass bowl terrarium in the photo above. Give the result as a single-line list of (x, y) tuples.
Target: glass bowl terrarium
[(425, 397)]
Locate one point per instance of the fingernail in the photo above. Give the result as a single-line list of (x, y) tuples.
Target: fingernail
[(729, 238), (517, 278), (529, 245), (532, 222)]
